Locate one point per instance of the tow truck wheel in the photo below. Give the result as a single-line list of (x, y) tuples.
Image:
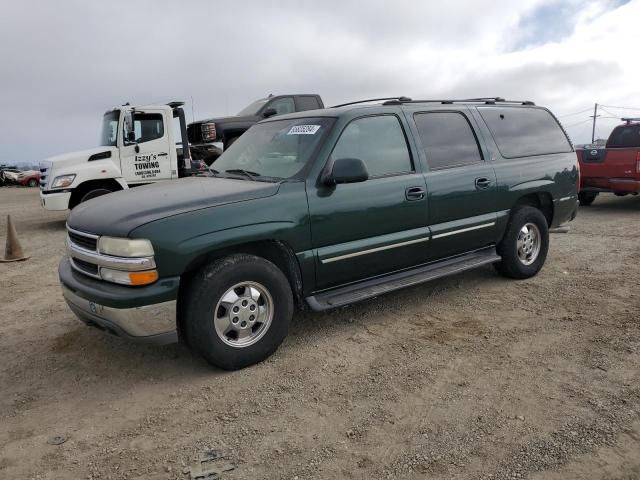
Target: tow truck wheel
[(98, 192), (587, 198), (237, 311)]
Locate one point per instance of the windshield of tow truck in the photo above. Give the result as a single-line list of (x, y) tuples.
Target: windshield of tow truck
[(109, 135), (253, 108), (274, 150)]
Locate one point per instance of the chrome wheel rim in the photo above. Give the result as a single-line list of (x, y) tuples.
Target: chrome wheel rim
[(243, 314), (528, 243)]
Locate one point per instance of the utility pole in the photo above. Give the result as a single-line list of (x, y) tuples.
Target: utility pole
[(593, 130)]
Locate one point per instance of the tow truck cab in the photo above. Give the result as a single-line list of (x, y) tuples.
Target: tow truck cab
[(138, 145)]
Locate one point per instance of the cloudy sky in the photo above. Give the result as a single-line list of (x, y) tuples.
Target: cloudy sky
[(62, 64)]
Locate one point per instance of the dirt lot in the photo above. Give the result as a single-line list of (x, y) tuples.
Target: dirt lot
[(473, 377)]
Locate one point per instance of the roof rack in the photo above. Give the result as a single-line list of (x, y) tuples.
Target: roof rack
[(484, 100), (629, 120), (400, 99)]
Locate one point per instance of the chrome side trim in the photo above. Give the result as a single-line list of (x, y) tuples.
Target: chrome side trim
[(373, 250), (140, 322), (463, 230), (564, 199), (117, 263)]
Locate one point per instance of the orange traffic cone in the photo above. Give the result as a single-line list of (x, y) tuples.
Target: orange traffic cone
[(13, 251)]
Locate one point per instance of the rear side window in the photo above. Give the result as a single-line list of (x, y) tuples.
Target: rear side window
[(379, 142), (522, 132), (448, 139), (627, 136), (306, 103)]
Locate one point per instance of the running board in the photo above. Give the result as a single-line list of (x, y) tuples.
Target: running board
[(377, 286)]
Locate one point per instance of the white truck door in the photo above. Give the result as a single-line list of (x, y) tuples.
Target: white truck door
[(152, 160)]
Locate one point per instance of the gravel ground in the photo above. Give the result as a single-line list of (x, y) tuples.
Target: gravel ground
[(475, 376)]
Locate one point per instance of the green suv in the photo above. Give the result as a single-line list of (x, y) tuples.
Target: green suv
[(318, 210)]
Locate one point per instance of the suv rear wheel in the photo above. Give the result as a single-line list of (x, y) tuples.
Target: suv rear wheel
[(587, 198), (525, 244), (238, 311)]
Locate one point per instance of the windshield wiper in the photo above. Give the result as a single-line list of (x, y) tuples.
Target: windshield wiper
[(247, 173)]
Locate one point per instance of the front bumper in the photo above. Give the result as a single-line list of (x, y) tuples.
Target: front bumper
[(140, 313), (55, 201)]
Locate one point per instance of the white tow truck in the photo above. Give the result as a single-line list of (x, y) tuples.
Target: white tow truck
[(138, 146)]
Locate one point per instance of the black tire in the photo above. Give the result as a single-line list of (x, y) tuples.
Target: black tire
[(587, 198), (512, 265), (97, 192), (33, 183), (208, 288)]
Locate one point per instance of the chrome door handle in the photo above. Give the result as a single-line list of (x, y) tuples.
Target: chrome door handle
[(414, 193), (482, 183)]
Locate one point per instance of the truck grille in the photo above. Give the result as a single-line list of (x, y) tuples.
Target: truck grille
[(44, 174), (85, 267), (83, 240)]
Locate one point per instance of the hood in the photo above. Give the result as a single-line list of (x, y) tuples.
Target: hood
[(73, 158), (117, 214), (232, 119)]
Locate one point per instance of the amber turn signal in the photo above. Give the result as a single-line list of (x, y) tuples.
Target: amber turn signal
[(143, 278)]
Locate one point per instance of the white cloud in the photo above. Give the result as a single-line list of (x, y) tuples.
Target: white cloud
[(63, 66)]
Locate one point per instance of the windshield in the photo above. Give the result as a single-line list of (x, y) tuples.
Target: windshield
[(278, 149), (109, 135), (253, 108)]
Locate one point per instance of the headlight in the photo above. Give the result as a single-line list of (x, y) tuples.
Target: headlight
[(63, 181), (208, 132), (125, 247)]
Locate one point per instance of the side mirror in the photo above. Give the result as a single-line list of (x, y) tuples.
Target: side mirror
[(347, 170), (128, 127), (269, 112)]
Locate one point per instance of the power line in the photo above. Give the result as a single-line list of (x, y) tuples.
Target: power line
[(578, 123), (576, 113), (623, 108)]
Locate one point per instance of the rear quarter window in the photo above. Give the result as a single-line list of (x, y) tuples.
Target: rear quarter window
[(525, 131), (626, 136)]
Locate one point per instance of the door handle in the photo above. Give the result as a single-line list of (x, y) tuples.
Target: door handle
[(163, 154), (482, 183), (414, 193)]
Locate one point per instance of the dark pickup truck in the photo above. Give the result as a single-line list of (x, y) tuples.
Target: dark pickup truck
[(318, 210), (615, 168), (205, 133)]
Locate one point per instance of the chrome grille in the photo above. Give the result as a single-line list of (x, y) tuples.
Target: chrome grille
[(44, 174), (83, 240)]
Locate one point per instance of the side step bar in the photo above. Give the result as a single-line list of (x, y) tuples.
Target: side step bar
[(377, 286)]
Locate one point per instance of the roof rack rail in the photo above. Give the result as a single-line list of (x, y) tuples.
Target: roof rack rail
[(485, 100), (629, 120), (400, 99)]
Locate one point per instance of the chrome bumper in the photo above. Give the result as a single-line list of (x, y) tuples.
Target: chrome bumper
[(154, 323)]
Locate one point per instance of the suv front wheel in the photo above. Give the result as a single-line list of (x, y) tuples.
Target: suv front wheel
[(238, 311), (525, 244)]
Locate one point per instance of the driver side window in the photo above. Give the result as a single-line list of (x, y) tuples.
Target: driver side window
[(147, 127), (379, 142), (283, 105)]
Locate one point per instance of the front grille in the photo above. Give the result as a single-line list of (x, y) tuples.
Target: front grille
[(44, 175), (83, 241), (85, 267)]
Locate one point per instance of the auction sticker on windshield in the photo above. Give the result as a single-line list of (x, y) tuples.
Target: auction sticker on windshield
[(304, 130)]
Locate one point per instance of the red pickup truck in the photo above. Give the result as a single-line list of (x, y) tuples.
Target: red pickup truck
[(615, 168)]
